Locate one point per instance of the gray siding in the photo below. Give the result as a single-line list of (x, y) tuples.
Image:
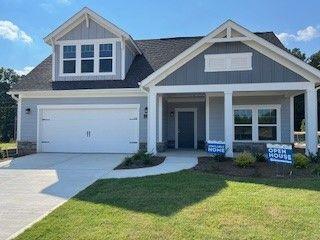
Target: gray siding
[(29, 121), (216, 131), (129, 59), (264, 69), (117, 75), (94, 31), (170, 122)]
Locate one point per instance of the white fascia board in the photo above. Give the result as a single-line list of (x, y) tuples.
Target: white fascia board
[(125, 92), (207, 41), (245, 87), (79, 17)]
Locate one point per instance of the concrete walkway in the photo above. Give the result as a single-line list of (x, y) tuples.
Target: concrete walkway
[(172, 163), (34, 185)]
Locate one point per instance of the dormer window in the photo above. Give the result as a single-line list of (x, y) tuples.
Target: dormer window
[(105, 61), (87, 57), (69, 59)]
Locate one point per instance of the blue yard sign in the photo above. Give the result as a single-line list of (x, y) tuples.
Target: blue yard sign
[(280, 153), (216, 147)]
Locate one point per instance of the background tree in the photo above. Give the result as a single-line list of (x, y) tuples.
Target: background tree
[(314, 60), (7, 105), (297, 53)]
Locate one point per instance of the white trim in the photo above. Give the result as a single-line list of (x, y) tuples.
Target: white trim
[(40, 109), (207, 117), (245, 87), (19, 109), (152, 122), (79, 17), (123, 60), (53, 60), (311, 118), (292, 119), (185, 99), (209, 65), (255, 125), (195, 127), (160, 116), (117, 92), (96, 57), (311, 73), (228, 123)]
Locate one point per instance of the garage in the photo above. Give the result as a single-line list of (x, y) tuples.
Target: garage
[(88, 128)]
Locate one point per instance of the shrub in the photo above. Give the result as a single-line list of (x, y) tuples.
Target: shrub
[(314, 158), (244, 159), (316, 170), (260, 157), (300, 160), (220, 157), (141, 155)]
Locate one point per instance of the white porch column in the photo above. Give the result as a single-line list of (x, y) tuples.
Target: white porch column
[(311, 119), (207, 118), (160, 119), (152, 122), (19, 119), (228, 123), (291, 119)]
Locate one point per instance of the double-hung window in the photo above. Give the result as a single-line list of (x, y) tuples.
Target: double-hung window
[(87, 58), (105, 58), (69, 59), (256, 123)]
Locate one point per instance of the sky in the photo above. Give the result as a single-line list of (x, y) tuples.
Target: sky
[(24, 23)]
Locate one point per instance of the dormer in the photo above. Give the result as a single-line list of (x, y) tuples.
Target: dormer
[(88, 47)]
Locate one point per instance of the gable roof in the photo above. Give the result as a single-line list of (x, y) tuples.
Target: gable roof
[(155, 54), (223, 34), (82, 15)]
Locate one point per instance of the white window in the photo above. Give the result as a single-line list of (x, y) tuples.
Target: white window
[(257, 123), (228, 62), (87, 57)]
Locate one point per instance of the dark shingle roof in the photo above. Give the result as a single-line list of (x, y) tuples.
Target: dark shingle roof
[(156, 53)]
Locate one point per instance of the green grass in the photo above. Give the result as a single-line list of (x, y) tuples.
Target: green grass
[(187, 205), (11, 145)]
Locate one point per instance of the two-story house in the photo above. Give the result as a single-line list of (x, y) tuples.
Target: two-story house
[(100, 91)]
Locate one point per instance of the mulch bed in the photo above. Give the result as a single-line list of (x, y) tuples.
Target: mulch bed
[(154, 161), (260, 169)]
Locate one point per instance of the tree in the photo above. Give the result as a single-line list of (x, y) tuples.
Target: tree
[(314, 60), (7, 105), (297, 53)]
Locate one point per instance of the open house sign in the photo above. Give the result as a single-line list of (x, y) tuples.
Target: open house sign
[(281, 153)]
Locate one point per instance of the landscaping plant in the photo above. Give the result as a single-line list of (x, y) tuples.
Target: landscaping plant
[(245, 159), (300, 160), (260, 157), (316, 170)]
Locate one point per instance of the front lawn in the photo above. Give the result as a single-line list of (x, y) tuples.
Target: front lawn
[(187, 205)]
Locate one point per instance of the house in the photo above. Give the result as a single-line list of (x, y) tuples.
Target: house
[(103, 92)]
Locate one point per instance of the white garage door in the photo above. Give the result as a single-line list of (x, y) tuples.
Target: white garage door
[(89, 130)]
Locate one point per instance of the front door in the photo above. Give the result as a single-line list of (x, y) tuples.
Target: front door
[(185, 129)]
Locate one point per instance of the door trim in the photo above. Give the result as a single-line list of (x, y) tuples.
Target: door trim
[(40, 109), (195, 127)]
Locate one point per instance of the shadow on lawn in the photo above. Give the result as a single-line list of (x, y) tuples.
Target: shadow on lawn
[(168, 194)]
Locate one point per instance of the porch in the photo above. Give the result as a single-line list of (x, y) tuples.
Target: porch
[(244, 119)]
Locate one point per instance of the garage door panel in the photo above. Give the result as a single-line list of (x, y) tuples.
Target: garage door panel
[(90, 130)]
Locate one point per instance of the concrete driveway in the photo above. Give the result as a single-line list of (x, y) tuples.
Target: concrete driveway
[(34, 185)]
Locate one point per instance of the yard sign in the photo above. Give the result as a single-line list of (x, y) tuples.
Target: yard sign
[(216, 147), (280, 153)]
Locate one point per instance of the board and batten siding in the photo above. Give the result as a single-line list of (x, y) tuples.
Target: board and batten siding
[(94, 31), (29, 121), (264, 69), (216, 130)]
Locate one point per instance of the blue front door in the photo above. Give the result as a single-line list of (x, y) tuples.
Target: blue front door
[(185, 129)]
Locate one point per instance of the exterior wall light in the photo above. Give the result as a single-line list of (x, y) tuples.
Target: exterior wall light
[(145, 115), (28, 110)]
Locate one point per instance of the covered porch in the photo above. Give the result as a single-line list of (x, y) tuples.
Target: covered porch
[(244, 116)]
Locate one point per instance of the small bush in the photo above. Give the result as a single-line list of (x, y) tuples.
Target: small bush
[(220, 157), (316, 170), (314, 158), (260, 157), (139, 156), (300, 160), (244, 159)]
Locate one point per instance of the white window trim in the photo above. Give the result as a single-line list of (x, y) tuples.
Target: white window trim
[(96, 58), (255, 125), (227, 57)]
